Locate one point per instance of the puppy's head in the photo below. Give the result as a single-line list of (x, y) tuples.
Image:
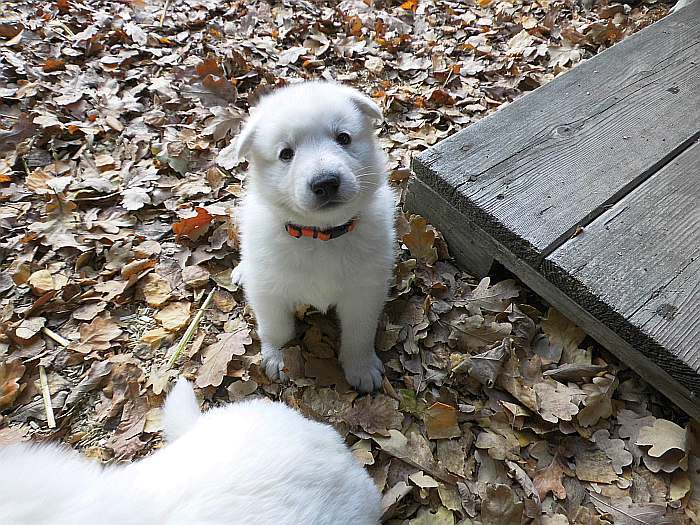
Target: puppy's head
[(313, 150)]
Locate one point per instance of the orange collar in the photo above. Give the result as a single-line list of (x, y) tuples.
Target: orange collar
[(316, 233)]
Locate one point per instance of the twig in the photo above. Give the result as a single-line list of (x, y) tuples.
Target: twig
[(46, 394), (53, 335), (165, 10), (191, 329)]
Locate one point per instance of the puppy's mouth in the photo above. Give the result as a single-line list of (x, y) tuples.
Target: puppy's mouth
[(329, 205)]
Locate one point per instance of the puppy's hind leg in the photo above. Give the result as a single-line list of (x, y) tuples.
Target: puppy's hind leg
[(275, 328), (359, 312)]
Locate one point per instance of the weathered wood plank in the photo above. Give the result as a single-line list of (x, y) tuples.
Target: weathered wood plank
[(450, 221), (637, 268), (556, 158)]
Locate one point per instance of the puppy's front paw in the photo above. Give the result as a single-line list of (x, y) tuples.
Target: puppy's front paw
[(237, 275), (273, 362), (364, 373)]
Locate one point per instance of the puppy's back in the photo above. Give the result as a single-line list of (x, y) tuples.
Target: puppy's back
[(39, 484), (261, 462)]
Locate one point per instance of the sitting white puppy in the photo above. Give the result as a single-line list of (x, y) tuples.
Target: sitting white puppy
[(247, 463), (317, 222)]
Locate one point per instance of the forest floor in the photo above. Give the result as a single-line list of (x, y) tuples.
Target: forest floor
[(117, 205)]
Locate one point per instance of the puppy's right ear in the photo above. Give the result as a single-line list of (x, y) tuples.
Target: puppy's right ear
[(244, 141)]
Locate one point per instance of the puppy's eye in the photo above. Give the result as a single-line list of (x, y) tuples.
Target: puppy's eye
[(286, 154), (343, 138)]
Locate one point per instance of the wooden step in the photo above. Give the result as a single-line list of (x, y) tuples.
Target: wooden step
[(588, 189)]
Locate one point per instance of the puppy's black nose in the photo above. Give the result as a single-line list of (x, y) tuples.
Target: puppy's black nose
[(325, 186)]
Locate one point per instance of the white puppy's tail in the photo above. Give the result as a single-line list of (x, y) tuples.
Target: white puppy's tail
[(181, 410)]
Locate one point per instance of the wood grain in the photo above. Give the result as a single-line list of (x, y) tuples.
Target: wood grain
[(558, 157), (637, 268)]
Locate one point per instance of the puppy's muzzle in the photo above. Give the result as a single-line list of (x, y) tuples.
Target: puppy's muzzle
[(325, 188)]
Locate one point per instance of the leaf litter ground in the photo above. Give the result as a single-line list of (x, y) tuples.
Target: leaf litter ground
[(117, 232)]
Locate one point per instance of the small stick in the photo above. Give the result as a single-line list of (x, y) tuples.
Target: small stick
[(165, 10), (53, 335), (191, 329), (47, 397)]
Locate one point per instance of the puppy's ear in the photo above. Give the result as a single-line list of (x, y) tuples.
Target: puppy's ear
[(366, 105), (244, 141)]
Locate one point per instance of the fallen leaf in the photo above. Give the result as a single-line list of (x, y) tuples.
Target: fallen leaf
[(500, 506), (486, 367), (195, 277), (494, 298), (549, 479), (43, 281), (614, 449), (10, 374), (194, 227), (422, 480), (175, 316), (474, 332), (216, 357), (97, 336), (30, 327), (420, 241), (598, 401), (376, 415), (441, 421), (156, 290), (564, 336), (556, 401)]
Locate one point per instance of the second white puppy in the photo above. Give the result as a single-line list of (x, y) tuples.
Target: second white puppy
[(317, 223), (247, 463)]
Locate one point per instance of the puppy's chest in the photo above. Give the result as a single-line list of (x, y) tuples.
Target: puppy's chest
[(317, 272)]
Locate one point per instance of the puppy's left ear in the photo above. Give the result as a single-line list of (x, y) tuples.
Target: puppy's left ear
[(366, 105)]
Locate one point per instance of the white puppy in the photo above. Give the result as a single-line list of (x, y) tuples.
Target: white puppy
[(248, 463), (317, 223)]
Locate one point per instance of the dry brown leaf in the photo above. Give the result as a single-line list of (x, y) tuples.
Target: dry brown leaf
[(43, 281), (194, 227), (175, 316), (494, 298), (669, 446), (30, 327), (441, 421), (549, 479), (422, 480), (614, 449), (155, 337), (598, 401), (195, 277), (500, 506), (593, 465), (420, 241), (216, 357), (556, 401), (156, 290), (10, 374), (474, 332), (626, 513), (564, 337), (97, 336), (499, 447), (375, 415), (663, 436), (486, 367)]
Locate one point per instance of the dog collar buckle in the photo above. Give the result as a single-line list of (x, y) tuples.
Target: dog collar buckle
[(298, 231)]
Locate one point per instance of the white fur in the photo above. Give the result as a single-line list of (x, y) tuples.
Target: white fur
[(350, 272), (253, 462)]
